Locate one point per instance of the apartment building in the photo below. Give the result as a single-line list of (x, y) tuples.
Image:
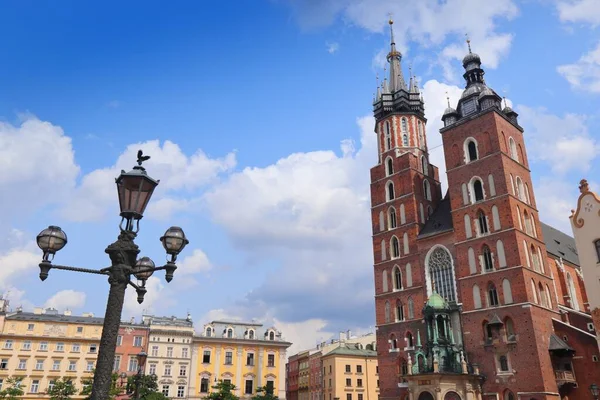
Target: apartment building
[(247, 355)]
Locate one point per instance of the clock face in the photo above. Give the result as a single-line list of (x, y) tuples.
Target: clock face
[(469, 107)]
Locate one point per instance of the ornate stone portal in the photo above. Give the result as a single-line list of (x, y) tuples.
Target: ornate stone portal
[(439, 370)]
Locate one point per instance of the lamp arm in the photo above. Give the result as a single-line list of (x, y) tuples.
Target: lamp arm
[(46, 264)]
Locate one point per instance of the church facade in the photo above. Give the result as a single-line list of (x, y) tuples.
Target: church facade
[(475, 297)]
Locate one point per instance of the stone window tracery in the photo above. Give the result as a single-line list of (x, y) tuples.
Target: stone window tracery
[(441, 273)]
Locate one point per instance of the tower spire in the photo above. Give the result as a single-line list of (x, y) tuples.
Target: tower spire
[(468, 43), (394, 57), (448, 99)]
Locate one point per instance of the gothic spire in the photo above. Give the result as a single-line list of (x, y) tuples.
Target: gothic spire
[(394, 57)]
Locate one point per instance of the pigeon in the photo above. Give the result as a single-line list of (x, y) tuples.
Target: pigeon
[(141, 157)]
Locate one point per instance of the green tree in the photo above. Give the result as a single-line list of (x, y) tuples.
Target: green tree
[(13, 388), (62, 389), (147, 387), (265, 393), (223, 391)]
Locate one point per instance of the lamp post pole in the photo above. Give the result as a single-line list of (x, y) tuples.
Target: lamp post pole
[(134, 189)]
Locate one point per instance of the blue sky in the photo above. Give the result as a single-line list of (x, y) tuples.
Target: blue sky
[(258, 118)]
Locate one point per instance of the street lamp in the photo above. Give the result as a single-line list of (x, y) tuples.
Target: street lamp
[(134, 189), (594, 391), (141, 357)]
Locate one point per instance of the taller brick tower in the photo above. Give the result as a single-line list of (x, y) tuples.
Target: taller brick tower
[(405, 190), (503, 281)]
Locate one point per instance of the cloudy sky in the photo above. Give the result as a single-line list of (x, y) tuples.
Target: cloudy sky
[(258, 121)]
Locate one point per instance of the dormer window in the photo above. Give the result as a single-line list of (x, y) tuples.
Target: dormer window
[(208, 331), (229, 333), (469, 107), (271, 335), (251, 334)]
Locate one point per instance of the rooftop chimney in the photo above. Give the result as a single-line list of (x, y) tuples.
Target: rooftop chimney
[(348, 334), (38, 310), (67, 313)]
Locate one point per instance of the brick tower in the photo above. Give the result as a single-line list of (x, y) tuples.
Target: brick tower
[(504, 285), (405, 190)]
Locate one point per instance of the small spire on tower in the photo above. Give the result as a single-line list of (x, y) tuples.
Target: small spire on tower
[(504, 98), (468, 42), (448, 99)]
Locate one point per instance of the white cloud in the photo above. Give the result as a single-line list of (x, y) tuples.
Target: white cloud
[(555, 200), (303, 335), (427, 22), (196, 262), (66, 299), (584, 11), (96, 192), (434, 94), (333, 47), (563, 143), (584, 74), (38, 167), (17, 262)]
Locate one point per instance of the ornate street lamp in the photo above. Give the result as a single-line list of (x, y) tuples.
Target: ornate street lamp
[(135, 189), (594, 391)]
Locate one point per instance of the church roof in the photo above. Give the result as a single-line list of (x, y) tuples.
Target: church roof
[(560, 244), (436, 301), (557, 344), (439, 221)]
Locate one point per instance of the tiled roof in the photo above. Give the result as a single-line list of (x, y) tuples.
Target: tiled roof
[(439, 221), (347, 351), (560, 244), (557, 343), (28, 316)]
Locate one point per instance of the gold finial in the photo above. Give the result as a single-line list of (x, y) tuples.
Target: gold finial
[(468, 42), (391, 21), (583, 186), (448, 99)]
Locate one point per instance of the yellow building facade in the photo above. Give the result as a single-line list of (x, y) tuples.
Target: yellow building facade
[(43, 345), (244, 354), (350, 373)]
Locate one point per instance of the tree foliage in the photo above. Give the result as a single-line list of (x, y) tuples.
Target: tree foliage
[(13, 388), (264, 393), (147, 387), (223, 391), (62, 389)]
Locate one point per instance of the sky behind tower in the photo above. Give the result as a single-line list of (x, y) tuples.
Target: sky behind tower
[(258, 120)]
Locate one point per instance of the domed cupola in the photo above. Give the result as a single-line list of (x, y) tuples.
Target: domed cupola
[(450, 115), (510, 114)]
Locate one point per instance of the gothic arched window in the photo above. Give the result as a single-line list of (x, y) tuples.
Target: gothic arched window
[(389, 166), (405, 139), (427, 190), (492, 296), (441, 273), (397, 278), (388, 135), (390, 191), (513, 149), (393, 342), (478, 190), (482, 222), (411, 308), (471, 150), (392, 218), (409, 339), (488, 262), (424, 165), (395, 247), (503, 361), (399, 311)]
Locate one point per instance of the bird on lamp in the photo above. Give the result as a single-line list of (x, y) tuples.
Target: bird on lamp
[(141, 157)]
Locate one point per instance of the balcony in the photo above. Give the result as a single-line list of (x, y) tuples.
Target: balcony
[(564, 377)]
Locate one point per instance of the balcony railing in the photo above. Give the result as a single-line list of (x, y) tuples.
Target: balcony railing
[(563, 376)]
